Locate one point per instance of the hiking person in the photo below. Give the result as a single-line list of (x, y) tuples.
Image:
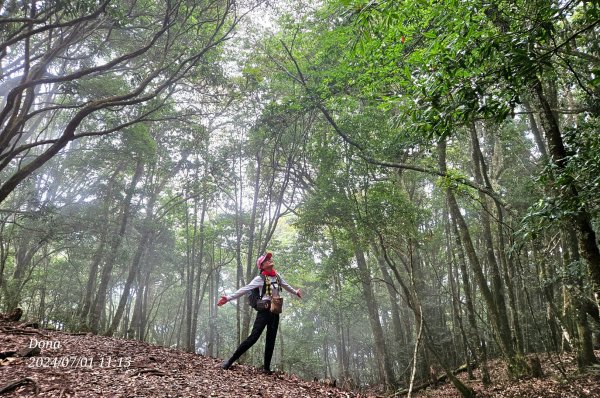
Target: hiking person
[(264, 297)]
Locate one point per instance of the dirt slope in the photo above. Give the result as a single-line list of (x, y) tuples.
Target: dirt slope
[(96, 366), (568, 383)]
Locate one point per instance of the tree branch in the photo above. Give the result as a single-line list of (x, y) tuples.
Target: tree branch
[(361, 149)]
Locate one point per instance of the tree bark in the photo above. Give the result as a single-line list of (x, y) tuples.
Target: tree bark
[(4, 252), (497, 283), (585, 346), (586, 236), (190, 268), (552, 313)]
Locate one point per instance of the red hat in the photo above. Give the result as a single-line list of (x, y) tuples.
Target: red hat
[(262, 259)]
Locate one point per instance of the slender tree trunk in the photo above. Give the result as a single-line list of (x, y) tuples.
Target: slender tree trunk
[(341, 343), (585, 346), (386, 372), (511, 280), (144, 313), (412, 299), (535, 130), (586, 236), (250, 255), (399, 338), (4, 252), (99, 252), (497, 283), (198, 289), (24, 255), (552, 313), (26, 246), (517, 366), (136, 317), (455, 290), (239, 230), (474, 334), (139, 321), (100, 301), (482, 178), (190, 273), (133, 271), (212, 307), (465, 391)]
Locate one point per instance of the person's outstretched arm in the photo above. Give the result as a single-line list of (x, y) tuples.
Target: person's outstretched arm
[(289, 288), (256, 282)]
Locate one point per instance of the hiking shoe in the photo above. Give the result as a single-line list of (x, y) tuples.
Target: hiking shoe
[(266, 371), (226, 365)]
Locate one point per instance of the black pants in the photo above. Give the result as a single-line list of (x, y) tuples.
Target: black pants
[(263, 319)]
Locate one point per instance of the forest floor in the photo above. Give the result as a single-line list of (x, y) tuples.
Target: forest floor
[(87, 365), (553, 384)]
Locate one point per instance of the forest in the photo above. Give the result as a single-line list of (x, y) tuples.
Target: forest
[(427, 172)]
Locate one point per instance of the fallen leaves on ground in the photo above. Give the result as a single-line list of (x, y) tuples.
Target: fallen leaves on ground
[(554, 384), (96, 366)]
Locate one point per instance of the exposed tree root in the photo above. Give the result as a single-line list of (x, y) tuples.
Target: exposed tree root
[(14, 385), (154, 372)]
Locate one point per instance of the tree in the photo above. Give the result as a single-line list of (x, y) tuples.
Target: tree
[(73, 72)]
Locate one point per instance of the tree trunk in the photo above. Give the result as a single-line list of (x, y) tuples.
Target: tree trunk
[(100, 301), (26, 246), (341, 343), (497, 283), (586, 235), (552, 313), (25, 251), (4, 252), (190, 267), (585, 346), (412, 299), (399, 337), (482, 178), (517, 366), (535, 131), (136, 317), (455, 290), (465, 391), (212, 307), (99, 252), (250, 255), (143, 324), (199, 258), (386, 373), (474, 334), (133, 271), (239, 231)]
